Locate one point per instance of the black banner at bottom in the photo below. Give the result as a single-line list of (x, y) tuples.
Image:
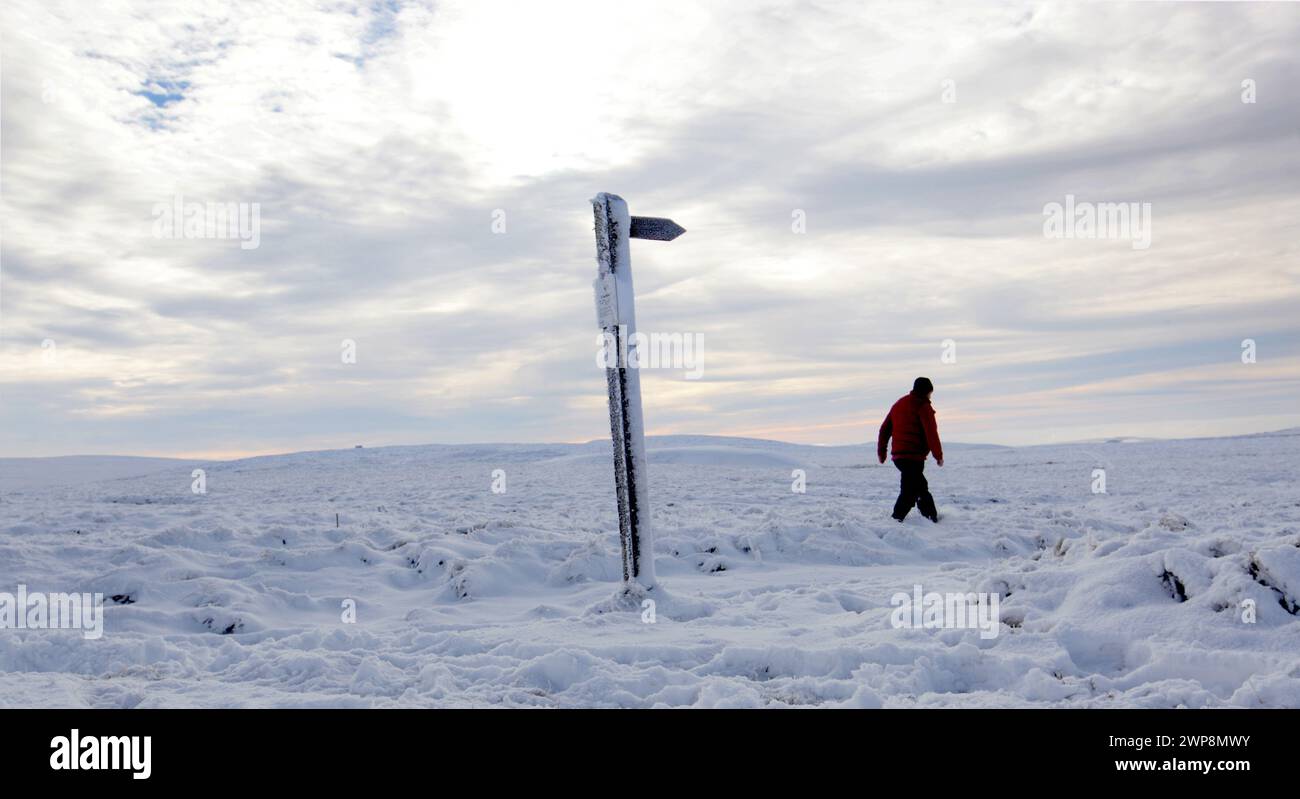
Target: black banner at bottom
[(332, 748)]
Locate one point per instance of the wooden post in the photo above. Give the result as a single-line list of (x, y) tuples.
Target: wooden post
[(616, 315)]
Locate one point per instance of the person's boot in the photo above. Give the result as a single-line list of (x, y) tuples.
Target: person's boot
[(928, 510), (900, 511)]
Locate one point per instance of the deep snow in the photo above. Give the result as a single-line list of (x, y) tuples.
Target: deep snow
[(767, 597)]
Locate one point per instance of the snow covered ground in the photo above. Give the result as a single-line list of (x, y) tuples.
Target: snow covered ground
[(768, 597)]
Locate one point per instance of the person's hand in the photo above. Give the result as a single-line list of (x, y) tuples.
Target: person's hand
[(882, 458), (939, 461)]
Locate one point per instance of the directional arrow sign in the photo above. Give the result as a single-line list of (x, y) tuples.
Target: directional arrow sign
[(654, 227)]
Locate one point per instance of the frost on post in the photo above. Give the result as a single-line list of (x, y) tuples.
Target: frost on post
[(617, 318)]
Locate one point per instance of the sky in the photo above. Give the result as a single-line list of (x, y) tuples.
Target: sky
[(867, 191)]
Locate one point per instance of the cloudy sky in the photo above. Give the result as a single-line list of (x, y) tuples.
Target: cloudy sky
[(386, 143)]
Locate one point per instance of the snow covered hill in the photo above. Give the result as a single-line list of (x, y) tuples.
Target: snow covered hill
[(34, 472), (463, 596)]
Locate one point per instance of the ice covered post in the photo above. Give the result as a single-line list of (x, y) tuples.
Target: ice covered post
[(616, 316)]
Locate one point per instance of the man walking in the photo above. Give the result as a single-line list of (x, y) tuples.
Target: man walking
[(915, 432)]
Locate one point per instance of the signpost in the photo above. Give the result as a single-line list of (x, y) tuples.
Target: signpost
[(616, 315)]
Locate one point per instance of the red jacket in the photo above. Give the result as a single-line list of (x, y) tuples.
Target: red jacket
[(915, 432)]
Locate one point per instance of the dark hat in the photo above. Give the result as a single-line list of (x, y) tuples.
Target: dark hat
[(922, 386)]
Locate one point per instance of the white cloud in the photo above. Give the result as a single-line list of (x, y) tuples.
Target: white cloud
[(379, 138)]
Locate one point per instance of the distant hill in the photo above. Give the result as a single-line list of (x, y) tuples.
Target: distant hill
[(21, 473), (28, 473)]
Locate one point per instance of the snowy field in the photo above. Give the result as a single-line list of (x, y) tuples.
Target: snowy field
[(767, 597)]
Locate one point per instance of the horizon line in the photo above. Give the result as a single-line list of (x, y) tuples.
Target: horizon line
[(1101, 440)]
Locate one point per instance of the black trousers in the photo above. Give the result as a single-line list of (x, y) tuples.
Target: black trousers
[(913, 490)]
